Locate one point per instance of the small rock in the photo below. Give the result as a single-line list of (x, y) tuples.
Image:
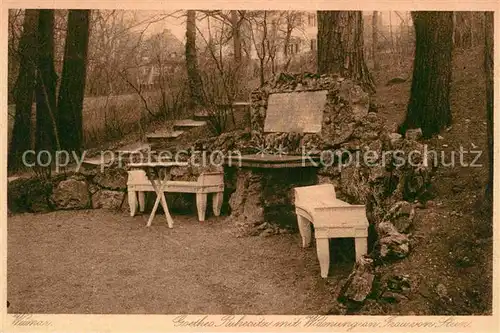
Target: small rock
[(445, 146), (440, 137), (393, 297), (401, 215), (403, 223), (360, 282), (413, 134), (441, 291), (386, 228), (93, 188), (107, 199), (267, 233), (420, 205), (71, 194), (112, 179), (395, 137), (399, 283), (395, 80), (395, 246), (263, 226), (464, 262), (406, 208)]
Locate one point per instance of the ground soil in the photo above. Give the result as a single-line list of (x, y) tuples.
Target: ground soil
[(106, 262), (99, 261), (451, 241)]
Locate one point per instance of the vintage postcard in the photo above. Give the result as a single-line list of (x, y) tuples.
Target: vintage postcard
[(249, 166)]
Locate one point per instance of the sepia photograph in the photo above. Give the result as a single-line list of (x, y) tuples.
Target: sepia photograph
[(309, 163)]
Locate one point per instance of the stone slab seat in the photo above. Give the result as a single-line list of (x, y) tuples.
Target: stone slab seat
[(332, 218), (207, 182)]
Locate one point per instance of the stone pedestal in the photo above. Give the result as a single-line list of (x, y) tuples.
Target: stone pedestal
[(265, 194)]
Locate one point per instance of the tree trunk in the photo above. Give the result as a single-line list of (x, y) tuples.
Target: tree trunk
[(429, 105), (194, 78), (488, 65), (72, 89), (261, 72), (46, 137), (340, 46), (375, 39), (236, 36), (25, 87), (235, 31)]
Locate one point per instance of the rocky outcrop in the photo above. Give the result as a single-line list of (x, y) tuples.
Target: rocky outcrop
[(108, 199), (344, 116), (29, 195), (112, 179), (359, 284), (71, 194)]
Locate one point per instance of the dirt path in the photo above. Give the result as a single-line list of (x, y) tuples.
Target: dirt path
[(107, 262)]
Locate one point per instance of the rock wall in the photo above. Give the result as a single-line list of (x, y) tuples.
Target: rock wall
[(344, 116), (91, 189)]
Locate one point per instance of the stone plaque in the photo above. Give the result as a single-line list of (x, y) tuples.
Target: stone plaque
[(300, 112)]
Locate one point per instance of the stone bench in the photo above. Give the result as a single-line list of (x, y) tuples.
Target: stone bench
[(332, 218), (207, 182)]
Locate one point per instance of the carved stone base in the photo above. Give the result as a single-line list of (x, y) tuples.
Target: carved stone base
[(266, 195)]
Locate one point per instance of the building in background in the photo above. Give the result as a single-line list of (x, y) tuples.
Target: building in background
[(162, 54)]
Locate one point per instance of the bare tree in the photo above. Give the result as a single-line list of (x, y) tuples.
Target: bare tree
[(220, 79), (375, 39), (266, 39), (235, 28), (194, 78), (231, 23), (259, 33), (293, 20)]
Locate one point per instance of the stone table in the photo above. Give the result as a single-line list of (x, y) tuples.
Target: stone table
[(263, 187)]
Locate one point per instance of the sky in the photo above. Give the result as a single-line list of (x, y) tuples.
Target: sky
[(177, 25)]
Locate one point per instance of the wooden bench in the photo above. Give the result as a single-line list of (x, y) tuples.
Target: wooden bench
[(332, 218), (208, 182)]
